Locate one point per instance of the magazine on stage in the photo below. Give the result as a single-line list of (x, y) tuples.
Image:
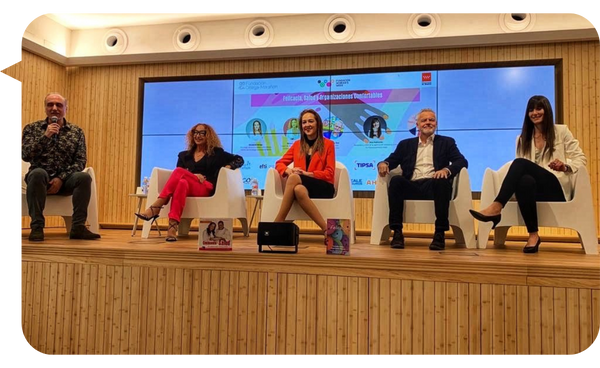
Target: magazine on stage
[(215, 234), (338, 236)]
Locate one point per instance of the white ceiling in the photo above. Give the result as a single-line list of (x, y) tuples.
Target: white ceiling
[(93, 21), (81, 38)]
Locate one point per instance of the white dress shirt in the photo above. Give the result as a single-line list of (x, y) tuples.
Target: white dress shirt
[(424, 165)]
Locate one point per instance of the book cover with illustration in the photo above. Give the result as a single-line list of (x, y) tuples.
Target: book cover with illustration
[(338, 236), (215, 234)]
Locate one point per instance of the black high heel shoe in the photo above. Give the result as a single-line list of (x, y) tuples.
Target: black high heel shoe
[(483, 218), (534, 248), (151, 218)]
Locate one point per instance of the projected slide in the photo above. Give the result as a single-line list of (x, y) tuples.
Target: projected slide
[(366, 115), (170, 111)]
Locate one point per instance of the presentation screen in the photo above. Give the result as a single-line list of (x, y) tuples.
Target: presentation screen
[(366, 115)]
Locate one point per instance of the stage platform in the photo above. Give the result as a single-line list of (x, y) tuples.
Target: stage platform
[(126, 295)]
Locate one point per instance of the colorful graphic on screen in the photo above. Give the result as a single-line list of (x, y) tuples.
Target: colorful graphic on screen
[(366, 115)]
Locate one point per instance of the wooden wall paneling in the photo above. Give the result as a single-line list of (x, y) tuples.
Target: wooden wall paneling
[(98, 309), (595, 133), (595, 313), (26, 313)]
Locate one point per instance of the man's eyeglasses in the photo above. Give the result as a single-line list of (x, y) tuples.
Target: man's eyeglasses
[(199, 132)]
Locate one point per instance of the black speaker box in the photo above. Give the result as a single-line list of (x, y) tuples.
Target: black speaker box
[(279, 234)]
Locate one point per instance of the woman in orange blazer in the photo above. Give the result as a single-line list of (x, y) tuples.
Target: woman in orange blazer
[(314, 169)]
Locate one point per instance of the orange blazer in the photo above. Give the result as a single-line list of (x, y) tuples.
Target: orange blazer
[(322, 166)]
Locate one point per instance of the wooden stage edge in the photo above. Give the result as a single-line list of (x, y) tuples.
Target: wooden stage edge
[(556, 264), (126, 295)]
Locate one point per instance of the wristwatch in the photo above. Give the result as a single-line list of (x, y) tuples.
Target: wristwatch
[(568, 168)]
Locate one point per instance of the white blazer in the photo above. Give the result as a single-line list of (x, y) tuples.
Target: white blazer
[(567, 150)]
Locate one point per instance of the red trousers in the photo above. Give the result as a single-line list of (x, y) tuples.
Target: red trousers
[(183, 184)]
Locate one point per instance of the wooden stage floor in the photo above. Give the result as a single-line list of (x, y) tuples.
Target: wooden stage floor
[(567, 255), (124, 295)]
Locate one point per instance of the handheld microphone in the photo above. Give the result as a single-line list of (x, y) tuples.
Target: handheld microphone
[(54, 120)]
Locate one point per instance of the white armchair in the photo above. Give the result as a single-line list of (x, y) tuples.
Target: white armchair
[(423, 212), (228, 201), (341, 206), (577, 213), (58, 205)]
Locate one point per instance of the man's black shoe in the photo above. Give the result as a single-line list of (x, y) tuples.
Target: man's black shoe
[(397, 240), (439, 241), (36, 235), (81, 232)]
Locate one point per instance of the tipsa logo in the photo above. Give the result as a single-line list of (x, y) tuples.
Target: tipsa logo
[(247, 165), (426, 78), (324, 83), (363, 165)]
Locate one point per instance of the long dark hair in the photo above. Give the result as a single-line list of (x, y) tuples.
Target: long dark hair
[(319, 145), (209, 232), (375, 133), (524, 145)]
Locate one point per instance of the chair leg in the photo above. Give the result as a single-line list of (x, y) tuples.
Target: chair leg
[(500, 234), (589, 241), (485, 228), (459, 237), (146, 227), (470, 239), (68, 223), (184, 226), (245, 226), (378, 233)]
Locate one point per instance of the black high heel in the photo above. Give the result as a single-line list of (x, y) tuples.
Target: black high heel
[(172, 224), (483, 218), (151, 218), (534, 248)]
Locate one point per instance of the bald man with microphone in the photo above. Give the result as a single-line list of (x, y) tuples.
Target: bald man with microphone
[(56, 150)]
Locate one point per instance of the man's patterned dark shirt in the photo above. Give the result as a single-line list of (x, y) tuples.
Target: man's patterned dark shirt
[(61, 155)]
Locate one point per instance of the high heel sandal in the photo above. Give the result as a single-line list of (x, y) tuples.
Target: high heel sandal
[(150, 218), (532, 248), (175, 225), (483, 218)]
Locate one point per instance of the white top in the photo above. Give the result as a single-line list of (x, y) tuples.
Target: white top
[(567, 150), (206, 237), (424, 165), (223, 234)]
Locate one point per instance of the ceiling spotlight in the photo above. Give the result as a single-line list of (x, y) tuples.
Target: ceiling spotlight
[(517, 20), (519, 15)]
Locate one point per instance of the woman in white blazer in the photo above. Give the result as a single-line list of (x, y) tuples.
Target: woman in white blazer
[(547, 155)]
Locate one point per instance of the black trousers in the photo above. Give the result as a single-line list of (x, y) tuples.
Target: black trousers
[(400, 189), (77, 184), (530, 183)]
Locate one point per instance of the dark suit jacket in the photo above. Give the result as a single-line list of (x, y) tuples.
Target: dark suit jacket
[(445, 154)]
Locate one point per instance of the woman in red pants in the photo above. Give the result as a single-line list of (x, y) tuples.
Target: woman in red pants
[(195, 175)]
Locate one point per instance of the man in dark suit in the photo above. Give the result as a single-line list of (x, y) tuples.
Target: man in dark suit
[(428, 162)]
